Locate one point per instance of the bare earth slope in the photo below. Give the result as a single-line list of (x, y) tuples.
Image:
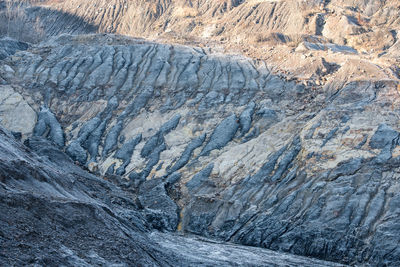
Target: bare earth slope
[(53, 213), (247, 156), (292, 36), (265, 123)]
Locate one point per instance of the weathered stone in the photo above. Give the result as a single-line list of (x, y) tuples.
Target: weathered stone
[(48, 126), (222, 135), (10, 46), (199, 178), (246, 118), (15, 113), (383, 137), (125, 153), (112, 138), (195, 143), (163, 213)]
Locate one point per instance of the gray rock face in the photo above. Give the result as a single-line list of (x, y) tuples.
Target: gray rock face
[(158, 139), (160, 210), (187, 153), (125, 153), (384, 137), (9, 47), (64, 219), (112, 138), (246, 118), (15, 113), (199, 178), (77, 152), (222, 134), (77, 219), (250, 158), (48, 126)]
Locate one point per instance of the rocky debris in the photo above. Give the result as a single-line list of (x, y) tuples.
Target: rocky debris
[(211, 252), (67, 219), (163, 213), (77, 153)]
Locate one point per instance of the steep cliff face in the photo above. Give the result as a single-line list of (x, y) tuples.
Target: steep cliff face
[(218, 146)]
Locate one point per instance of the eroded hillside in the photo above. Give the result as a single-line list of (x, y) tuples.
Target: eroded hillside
[(265, 123), (53, 213), (247, 156)]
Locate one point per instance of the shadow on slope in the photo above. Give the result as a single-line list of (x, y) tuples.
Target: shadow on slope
[(33, 24)]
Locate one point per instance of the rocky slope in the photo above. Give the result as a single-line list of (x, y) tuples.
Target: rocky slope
[(218, 146), (53, 213), (236, 20), (286, 140), (295, 37)]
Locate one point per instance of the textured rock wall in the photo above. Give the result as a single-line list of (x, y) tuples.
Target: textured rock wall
[(53, 213), (218, 146)]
